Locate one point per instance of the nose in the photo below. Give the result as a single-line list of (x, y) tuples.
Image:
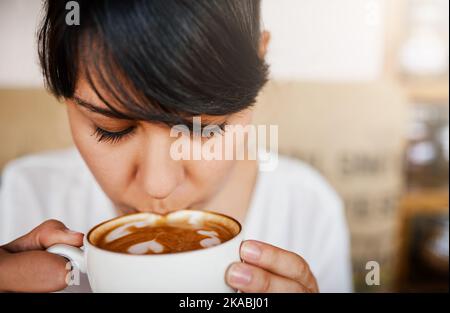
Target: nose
[(158, 173)]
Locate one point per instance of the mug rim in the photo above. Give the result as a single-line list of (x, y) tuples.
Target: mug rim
[(91, 245)]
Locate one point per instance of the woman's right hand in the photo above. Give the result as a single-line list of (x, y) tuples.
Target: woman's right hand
[(25, 266)]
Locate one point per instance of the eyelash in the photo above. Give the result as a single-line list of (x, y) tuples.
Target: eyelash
[(112, 137)]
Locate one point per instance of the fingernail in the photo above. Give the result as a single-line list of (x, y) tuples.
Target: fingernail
[(250, 251), (239, 275)]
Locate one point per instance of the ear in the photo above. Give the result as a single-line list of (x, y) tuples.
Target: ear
[(263, 44)]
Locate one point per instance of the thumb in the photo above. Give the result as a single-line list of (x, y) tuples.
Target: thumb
[(45, 235)]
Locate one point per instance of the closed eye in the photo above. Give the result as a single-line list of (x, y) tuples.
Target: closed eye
[(112, 137)]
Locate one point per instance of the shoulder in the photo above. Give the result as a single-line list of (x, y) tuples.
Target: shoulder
[(44, 176), (295, 208), (302, 185), (59, 160), (38, 187), (40, 170)]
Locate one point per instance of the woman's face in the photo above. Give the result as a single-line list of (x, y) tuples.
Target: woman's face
[(136, 171)]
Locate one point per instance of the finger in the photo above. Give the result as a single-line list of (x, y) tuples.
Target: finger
[(249, 278), (278, 261), (33, 271), (45, 235)]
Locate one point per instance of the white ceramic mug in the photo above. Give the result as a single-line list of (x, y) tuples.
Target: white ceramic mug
[(200, 270)]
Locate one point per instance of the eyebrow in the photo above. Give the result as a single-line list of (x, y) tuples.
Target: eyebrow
[(99, 110)]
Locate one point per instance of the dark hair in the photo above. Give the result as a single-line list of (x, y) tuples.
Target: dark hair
[(175, 57)]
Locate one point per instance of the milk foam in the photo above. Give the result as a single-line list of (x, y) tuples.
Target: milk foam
[(122, 231), (144, 247), (212, 239), (154, 246), (196, 218)]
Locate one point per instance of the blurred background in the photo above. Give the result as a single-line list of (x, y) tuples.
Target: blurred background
[(359, 89)]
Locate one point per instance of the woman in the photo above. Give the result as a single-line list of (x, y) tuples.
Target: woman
[(129, 72)]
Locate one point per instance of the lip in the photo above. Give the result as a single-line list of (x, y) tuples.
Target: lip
[(130, 211)]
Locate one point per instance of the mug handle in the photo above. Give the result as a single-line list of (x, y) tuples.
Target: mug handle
[(74, 254)]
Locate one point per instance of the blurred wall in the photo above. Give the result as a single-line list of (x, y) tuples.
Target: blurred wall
[(18, 58), (325, 39)]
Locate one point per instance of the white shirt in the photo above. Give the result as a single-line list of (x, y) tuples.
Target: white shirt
[(292, 207)]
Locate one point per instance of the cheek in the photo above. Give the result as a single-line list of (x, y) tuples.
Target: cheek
[(112, 167), (209, 175), (113, 171)]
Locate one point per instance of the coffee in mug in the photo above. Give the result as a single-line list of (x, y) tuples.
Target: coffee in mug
[(149, 236)]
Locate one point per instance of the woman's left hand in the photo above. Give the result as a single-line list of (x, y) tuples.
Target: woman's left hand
[(266, 268)]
